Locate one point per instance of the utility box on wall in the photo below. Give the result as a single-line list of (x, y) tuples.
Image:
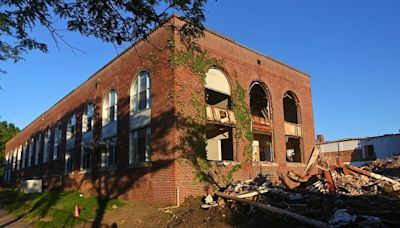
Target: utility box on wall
[(31, 186)]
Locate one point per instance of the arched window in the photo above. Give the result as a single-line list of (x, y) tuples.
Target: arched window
[(292, 130), (110, 107), (141, 93), (290, 108), (260, 109), (218, 90), (218, 131), (259, 104), (71, 126), (87, 118)]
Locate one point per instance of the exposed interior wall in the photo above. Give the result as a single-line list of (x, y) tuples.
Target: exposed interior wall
[(262, 147), (293, 149), (219, 143)]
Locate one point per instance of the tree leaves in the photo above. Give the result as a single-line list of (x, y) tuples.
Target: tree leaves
[(115, 21), (7, 132)]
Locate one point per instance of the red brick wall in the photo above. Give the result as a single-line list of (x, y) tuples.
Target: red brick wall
[(337, 158)]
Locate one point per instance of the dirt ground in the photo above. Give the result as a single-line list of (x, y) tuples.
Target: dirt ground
[(135, 214)]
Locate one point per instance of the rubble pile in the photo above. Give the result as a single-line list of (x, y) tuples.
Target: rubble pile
[(343, 196), (389, 167), (355, 185)]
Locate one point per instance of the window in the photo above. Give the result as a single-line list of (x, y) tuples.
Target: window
[(219, 137), (25, 154), (259, 105), (293, 152), (69, 155), (369, 152), (290, 108), (14, 160), (57, 142), (22, 163), (262, 147), (140, 145), (85, 157), (87, 118), (46, 145), (71, 126), (108, 152), (19, 157), (37, 151), (30, 155), (217, 89), (141, 93), (110, 107)]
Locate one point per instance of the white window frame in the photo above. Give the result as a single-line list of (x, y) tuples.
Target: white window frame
[(108, 103), (19, 154), (87, 118), (57, 142), (71, 127), (136, 89), (69, 160), (106, 153), (85, 151), (134, 145)]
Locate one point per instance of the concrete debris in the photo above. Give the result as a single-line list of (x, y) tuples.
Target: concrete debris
[(208, 199), (340, 196), (209, 202)]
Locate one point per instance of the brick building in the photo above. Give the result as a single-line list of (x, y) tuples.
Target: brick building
[(117, 133), (359, 151)]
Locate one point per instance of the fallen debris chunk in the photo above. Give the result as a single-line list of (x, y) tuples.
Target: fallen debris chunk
[(329, 180), (208, 199), (312, 160), (301, 218), (297, 178)]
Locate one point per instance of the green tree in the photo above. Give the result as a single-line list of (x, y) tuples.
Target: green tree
[(114, 21), (7, 132)]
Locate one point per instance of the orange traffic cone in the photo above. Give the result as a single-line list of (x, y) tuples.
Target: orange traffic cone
[(76, 212)]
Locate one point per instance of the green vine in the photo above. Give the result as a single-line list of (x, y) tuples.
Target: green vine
[(243, 126), (193, 141)]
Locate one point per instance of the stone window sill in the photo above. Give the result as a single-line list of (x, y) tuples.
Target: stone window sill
[(264, 163)]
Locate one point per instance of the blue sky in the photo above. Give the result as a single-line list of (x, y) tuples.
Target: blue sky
[(351, 49)]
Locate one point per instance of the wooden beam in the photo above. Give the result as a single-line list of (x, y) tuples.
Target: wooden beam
[(312, 160), (272, 209)]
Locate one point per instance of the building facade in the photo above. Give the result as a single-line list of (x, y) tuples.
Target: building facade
[(119, 134)]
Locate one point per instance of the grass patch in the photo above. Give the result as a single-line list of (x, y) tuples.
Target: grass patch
[(53, 208)]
